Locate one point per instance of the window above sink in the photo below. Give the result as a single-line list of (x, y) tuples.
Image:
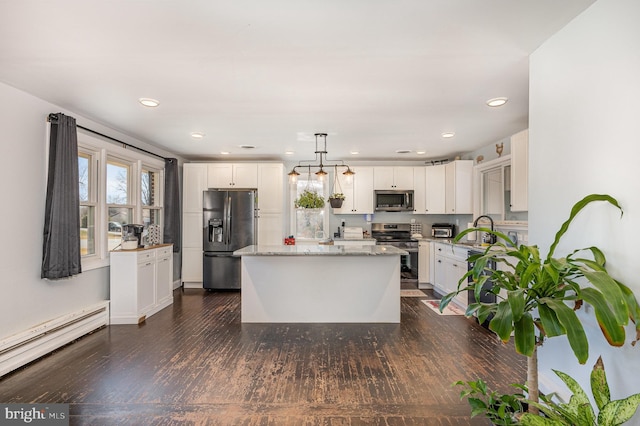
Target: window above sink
[(492, 192)]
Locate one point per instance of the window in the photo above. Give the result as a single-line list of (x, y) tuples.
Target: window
[(116, 187), (87, 181), (150, 196), (119, 207), (309, 224)]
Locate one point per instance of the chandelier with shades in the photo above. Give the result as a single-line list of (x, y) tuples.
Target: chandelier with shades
[(320, 161)]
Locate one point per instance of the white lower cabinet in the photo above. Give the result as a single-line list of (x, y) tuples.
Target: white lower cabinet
[(192, 267), (450, 265), (140, 283), (425, 264)]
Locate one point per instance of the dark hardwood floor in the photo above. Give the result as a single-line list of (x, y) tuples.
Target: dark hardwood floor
[(195, 363)]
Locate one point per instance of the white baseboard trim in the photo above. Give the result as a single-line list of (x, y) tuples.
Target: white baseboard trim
[(192, 285), (22, 348)]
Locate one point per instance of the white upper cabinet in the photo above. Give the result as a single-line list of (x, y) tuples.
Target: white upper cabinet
[(232, 175), (458, 184), (358, 191), (520, 171), (419, 190), (270, 187), (400, 178), (435, 189), (194, 176)]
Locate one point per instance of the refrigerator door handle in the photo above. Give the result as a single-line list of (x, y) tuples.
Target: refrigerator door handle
[(228, 207)]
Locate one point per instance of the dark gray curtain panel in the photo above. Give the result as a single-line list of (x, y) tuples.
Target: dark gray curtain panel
[(61, 245), (171, 229)]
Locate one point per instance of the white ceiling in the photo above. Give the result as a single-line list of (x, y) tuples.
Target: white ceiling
[(376, 75)]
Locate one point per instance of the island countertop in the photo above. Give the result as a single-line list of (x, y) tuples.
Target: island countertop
[(318, 250)]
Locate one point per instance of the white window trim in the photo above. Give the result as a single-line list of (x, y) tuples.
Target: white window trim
[(94, 196), (293, 194), (107, 150)]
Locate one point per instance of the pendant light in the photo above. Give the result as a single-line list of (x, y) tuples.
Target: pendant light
[(321, 161)]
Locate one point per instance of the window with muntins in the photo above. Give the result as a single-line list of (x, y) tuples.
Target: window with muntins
[(88, 189), (150, 196), (119, 207), (309, 224), (116, 187)]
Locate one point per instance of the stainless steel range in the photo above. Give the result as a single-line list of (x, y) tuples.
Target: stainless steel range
[(399, 235)]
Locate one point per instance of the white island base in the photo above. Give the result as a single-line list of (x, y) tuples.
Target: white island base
[(321, 287)]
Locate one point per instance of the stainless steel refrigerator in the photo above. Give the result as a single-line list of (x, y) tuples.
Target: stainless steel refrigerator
[(229, 224)]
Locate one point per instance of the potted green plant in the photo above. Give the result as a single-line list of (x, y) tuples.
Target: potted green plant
[(336, 199), (533, 292), (498, 407), (509, 409), (309, 200), (579, 411)]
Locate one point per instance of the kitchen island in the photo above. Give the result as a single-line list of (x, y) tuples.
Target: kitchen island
[(320, 283)]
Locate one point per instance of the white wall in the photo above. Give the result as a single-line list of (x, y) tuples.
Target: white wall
[(26, 300), (584, 126)]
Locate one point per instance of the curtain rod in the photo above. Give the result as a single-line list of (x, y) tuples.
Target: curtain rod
[(52, 117)]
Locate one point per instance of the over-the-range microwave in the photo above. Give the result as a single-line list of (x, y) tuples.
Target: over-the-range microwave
[(393, 201)]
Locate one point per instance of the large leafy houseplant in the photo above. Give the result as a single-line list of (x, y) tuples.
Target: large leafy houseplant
[(533, 293)]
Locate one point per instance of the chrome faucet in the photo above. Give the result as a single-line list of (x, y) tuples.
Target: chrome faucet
[(492, 238)]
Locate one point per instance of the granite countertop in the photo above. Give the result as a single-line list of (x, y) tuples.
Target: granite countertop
[(318, 250)]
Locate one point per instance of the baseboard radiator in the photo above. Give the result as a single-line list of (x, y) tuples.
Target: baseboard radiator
[(22, 348)]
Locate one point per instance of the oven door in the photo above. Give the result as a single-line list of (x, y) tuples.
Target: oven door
[(408, 262)]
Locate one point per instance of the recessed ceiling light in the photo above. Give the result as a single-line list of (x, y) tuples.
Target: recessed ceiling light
[(289, 153), (247, 146), (148, 102), (421, 152), (403, 151), (224, 152), (497, 102), (197, 135), (448, 134), (355, 152)]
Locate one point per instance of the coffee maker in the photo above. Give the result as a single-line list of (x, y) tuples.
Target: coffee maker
[(133, 232)]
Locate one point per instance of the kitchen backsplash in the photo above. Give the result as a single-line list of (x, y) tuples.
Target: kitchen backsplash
[(461, 222)]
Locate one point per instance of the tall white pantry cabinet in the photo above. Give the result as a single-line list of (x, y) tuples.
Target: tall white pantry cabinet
[(267, 178)]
